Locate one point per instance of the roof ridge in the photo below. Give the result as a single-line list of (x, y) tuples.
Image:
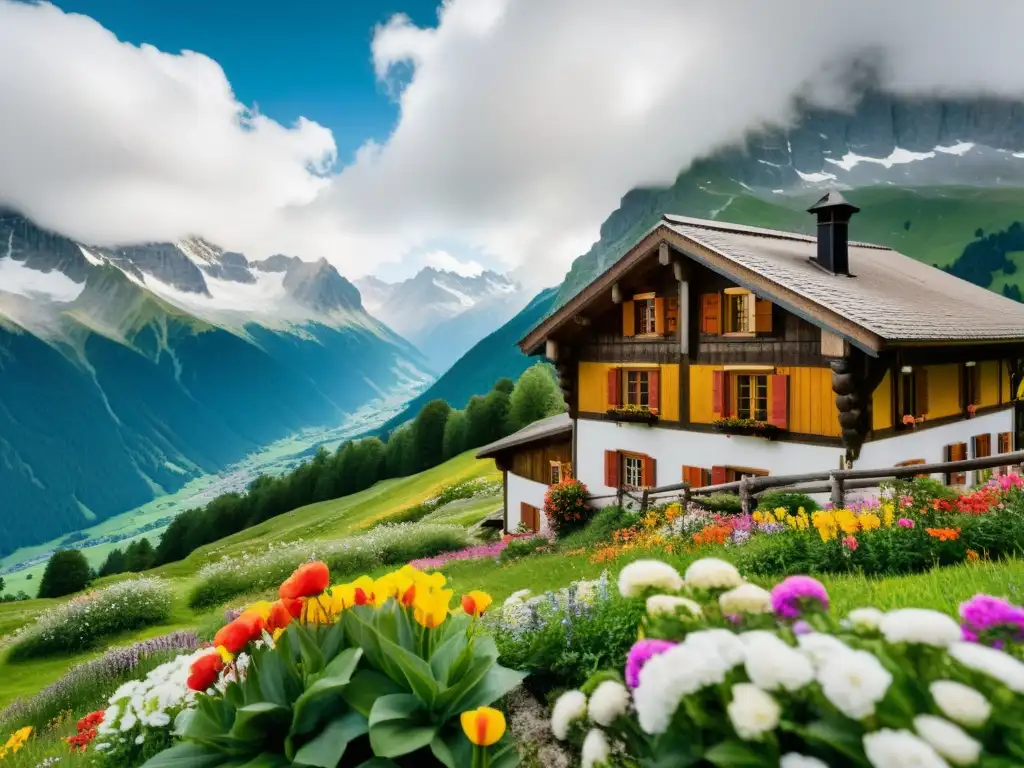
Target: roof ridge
[(745, 229)]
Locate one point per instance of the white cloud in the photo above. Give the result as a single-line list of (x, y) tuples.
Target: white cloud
[(522, 123), (445, 261)]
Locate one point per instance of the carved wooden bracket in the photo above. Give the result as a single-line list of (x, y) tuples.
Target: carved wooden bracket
[(854, 379), (566, 369)]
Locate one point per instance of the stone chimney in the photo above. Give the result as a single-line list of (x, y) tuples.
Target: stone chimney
[(833, 214)]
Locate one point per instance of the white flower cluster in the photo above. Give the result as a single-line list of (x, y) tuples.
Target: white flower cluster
[(757, 674), (77, 623)]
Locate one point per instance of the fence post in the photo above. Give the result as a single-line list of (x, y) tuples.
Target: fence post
[(685, 498), (837, 491), (746, 497), (643, 501), (618, 496)]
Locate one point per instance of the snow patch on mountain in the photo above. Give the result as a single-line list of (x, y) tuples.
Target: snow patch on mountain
[(17, 277)]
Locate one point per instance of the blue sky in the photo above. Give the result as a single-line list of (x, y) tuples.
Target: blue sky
[(310, 59)]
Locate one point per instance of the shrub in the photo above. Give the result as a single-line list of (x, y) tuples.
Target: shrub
[(389, 544), (600, 529), (791, 502), (83, 622), (565, 506), (562, 638), (85, 687), (724, 503), (67, 572), (917, 493), (523, 546)]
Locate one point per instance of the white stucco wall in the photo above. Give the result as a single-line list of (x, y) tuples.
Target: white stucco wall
[(673, 448), (523, 491)]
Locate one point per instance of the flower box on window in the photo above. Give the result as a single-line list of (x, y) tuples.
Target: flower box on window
[(749, 427), (912, 421), (632, 413)]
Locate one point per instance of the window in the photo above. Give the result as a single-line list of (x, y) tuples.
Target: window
[(638, 389), (737, 314), (981, 447), (560, 471), (752, 397), (956, 452), (912, 396), (633, 471), (911, 463), (646, 316), (971, 378), (529, 517), (721, 475)]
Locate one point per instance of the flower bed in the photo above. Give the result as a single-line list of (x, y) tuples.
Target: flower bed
[(389, 544), (81, 623), (730, 674), (748, 427)]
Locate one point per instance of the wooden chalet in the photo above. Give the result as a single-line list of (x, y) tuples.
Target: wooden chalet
[(711, 350)]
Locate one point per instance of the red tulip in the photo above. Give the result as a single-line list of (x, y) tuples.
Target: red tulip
[(282, 612), (204, 671), (236, 635), (309, 580)]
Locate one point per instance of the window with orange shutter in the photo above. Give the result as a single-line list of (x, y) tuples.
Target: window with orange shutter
[(956, 452)]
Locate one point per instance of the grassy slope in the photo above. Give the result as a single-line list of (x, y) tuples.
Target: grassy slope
[(326, 520)]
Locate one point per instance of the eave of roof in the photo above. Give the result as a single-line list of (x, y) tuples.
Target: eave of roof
[(546, 429)]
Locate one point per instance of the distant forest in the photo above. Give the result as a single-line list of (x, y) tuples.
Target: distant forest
[(988, 254), (437, 434)]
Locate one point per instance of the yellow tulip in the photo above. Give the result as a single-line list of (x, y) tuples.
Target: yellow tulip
[(476, 602), (431, 609), (483, 726), (225, 655), (261, 608)]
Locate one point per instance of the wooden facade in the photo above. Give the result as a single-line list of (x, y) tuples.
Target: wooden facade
[(535, 462)]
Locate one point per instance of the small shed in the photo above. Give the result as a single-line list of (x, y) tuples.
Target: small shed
[(531, 460)]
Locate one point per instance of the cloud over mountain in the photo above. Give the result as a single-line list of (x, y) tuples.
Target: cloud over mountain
[(521, 126)]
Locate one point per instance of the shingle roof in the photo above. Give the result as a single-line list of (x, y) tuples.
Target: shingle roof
[(892, 295), (553, 426)]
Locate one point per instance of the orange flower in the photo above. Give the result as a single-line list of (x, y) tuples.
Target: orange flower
[(204, 671), (281, 614), (309, 580), (476, 602), (972, 556), (944, 534), (236, 635), (483, 726)]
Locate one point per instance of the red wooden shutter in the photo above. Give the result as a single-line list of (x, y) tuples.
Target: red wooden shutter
[(654, 390), (763, 316), (695, 476), (921, 391), (628, 318), (710, 313), (718, 394), (650, 472), (1005, 442), (659, 317), (614, 389), (719, 475), (778, 408), (611, 469)]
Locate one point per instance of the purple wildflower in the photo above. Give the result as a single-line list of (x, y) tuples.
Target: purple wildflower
[(802, 628), (905, 522), (797, 594), (771, 527), (991, 620), (642, 652)]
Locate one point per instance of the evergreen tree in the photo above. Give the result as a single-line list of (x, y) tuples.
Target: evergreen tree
[(398, 452), (115, 563), (487, 418), (536, 396), (455, 434), (428, 435), (505, 385), (67, 572), (139, 556)]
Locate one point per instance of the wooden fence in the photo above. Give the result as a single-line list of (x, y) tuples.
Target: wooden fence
[(836, 482)]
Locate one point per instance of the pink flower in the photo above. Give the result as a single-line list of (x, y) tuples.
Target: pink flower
[(992, 621), (792, 597), (470, 553), (905, 522), (850, 543), (642, 652)]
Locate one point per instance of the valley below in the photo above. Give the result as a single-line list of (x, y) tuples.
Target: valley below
[(22, 569)]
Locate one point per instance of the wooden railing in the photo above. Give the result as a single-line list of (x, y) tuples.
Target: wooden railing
[(835, 482)]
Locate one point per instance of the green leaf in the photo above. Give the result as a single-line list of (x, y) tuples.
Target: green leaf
[(265, 760), (255, 722), (326, 750), (378, 762), (506, 756), (309, 651), (366, 687), (732, 753), (842, 738), (447, 656), (186, 754), (496, 682), (399, 725), (316, 699), (333, 641)]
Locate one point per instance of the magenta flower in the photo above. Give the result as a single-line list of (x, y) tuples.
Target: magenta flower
[(642, 652), (992, 621), (796, 595), (905, 522)]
